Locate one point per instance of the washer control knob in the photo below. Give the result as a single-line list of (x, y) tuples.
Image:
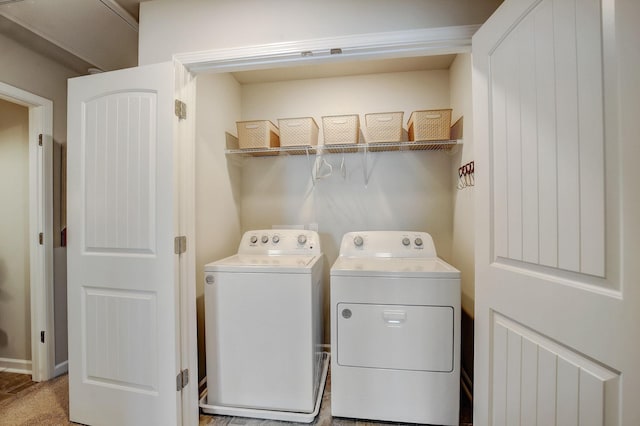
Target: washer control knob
[(418, 242), (302, 239), (264, 239), (253, 239), (209, 279), (406, 241), (275, 239), (358, 241)]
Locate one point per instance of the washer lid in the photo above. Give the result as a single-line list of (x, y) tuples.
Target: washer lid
[(263, 263), (393, 266)]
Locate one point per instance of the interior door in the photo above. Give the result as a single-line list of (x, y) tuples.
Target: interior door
[(557, 298), (123, 292)]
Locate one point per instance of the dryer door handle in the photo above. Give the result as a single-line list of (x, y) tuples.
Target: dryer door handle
[(395, 317)]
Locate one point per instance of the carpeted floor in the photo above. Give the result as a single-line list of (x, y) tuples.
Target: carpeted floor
[(45, 403)]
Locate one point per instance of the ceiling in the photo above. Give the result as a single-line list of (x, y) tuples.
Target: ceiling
[(80, 34), (89, 35)]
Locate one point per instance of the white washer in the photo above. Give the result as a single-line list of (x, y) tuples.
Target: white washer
[(264, 328), (395, 330)]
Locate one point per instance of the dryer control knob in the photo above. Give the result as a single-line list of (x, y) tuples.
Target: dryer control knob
[(253, 239), (302, 239), (209, 279), (264, 239), (275, 239), (418, 242), (358, 241), (406, 241)]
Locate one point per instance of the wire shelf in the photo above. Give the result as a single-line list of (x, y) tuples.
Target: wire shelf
[(445, 145)]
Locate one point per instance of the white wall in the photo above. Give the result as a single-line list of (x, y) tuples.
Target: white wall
[(217, 182), (408, 190), (15, 313), (462, 249), (169, 26)]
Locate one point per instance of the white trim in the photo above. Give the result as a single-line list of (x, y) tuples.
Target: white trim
[(61, 369), (40, 220), (391, 44), (122, 13), (184, 135), (20, 366)]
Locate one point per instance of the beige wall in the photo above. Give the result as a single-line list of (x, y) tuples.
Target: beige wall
[(405, 190), (15, 313), (30, 71), (39, 75), (462, 248), (217, 182), (168, 26)]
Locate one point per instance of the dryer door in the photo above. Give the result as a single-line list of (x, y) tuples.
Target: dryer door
[(399, 337)]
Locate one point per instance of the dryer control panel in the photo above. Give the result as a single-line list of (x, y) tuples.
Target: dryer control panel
[(387, 244), (280, 242)]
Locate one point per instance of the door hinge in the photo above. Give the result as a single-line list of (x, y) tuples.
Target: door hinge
[(40, 238), (182, 379), (40, 139), (181, 109), (42, 336), (180, 245)]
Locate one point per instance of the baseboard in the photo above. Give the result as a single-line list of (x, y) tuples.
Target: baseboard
[(21, 366), (61, 369)]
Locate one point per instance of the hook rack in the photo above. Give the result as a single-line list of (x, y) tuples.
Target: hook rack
[(466, 175)]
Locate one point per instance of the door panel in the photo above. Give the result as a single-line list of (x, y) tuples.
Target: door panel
[(556, 296), (564, 211), (116, 353), (120, 173), (122, 270), (570, 387)]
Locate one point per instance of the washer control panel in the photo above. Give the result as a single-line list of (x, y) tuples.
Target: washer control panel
[(387, 244), (280, 241)]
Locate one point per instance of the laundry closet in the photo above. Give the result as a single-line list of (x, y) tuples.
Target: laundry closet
[(544, 242), (343, 190), (219, 192)]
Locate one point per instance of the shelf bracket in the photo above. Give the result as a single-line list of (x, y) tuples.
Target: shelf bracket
[(313, 181), (365, 168)]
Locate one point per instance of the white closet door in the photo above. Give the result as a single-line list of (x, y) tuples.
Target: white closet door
[(558, 213), (122, 271)]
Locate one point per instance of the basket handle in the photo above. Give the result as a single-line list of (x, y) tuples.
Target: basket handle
[(294, 124), (251, 126), (433, 116), (334, 121), (383, 119)]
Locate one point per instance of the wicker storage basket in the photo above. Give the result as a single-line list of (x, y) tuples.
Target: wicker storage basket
[(431, 125), (384, 127), (341, 129), (301, 131), (257, 134)]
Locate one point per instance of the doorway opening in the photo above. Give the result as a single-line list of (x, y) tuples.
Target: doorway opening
[(27, 338)]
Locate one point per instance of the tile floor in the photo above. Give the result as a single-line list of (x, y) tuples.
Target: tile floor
[(324, 417)]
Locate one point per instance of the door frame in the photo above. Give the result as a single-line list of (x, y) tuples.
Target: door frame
[(40, 220), (384, 45)]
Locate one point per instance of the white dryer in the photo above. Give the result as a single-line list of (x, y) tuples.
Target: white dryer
[(395, 330), (264, 327)]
